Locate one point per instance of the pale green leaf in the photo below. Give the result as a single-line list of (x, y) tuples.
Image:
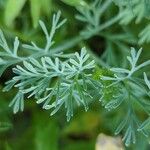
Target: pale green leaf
[(12, 10), (75, 3), (46, 6), (35, 11)]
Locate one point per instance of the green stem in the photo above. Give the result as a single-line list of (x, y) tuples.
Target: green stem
[(106, 25)]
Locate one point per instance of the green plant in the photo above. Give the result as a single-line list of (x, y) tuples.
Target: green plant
[(10, 55), (131, 90), (55, 79)]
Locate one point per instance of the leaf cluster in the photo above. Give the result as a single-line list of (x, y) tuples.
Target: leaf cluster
[(55, 79)]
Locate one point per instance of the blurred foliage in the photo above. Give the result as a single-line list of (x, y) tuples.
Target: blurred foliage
[(11, 15), (34, 129)]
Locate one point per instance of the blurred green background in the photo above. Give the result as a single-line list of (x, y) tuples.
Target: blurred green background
[(34, 129)]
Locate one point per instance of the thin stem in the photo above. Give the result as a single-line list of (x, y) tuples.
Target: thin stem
[(106, 24), (142, 65), (104, 6)]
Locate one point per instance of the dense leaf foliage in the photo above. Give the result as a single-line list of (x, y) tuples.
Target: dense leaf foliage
[(59, 80)]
